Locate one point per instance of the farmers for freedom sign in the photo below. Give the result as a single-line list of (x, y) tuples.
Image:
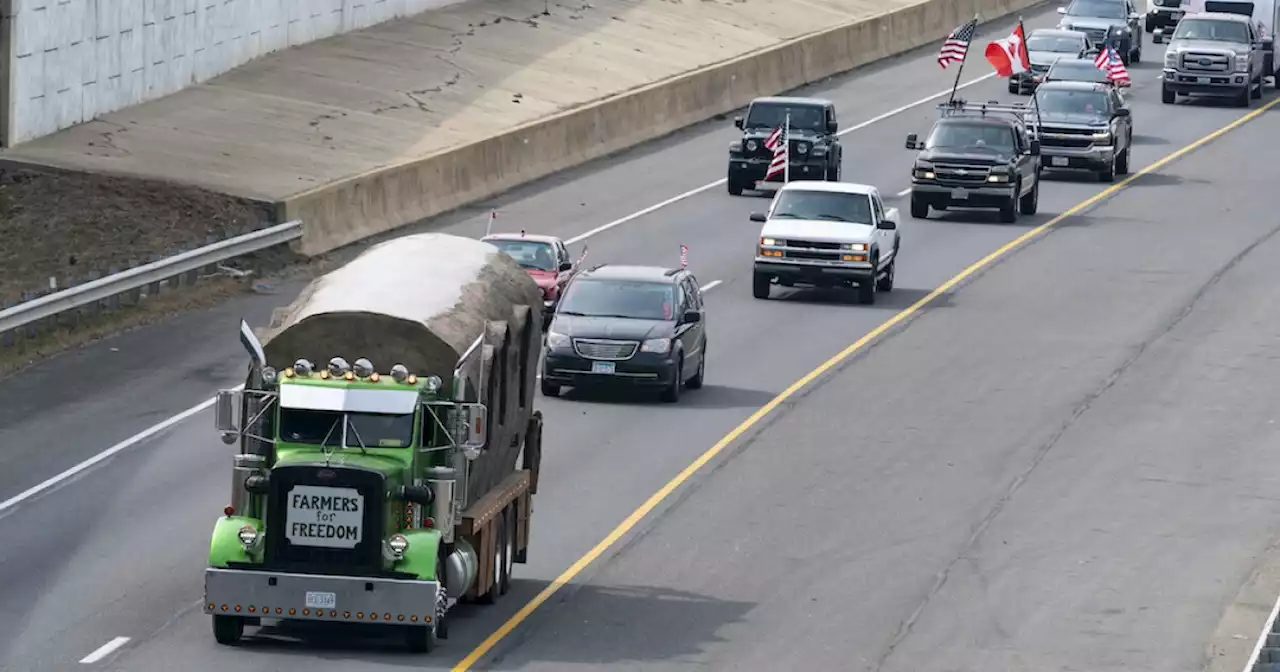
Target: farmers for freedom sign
[(323, 516)]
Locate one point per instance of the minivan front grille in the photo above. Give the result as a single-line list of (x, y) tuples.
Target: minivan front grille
[(592, 348)]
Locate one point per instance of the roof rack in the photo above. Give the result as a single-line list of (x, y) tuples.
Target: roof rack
[(672, 271), (958, 108)]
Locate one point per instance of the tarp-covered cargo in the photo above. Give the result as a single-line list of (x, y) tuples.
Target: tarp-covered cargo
[(422, 300)]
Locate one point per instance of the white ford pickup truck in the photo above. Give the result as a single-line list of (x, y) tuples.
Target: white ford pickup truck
[(827, 234)]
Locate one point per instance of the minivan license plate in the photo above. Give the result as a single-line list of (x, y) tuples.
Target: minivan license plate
[(602, 367), (322, 600)]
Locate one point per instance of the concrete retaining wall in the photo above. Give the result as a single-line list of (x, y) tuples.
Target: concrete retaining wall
[(381, 200), (73, 60)]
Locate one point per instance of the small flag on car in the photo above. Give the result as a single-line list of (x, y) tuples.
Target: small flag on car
[(684, 256), (1108, 60), (956, 46)]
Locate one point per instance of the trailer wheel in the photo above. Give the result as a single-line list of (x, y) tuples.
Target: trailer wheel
[(508, 549), (498, 528), (228, 630)]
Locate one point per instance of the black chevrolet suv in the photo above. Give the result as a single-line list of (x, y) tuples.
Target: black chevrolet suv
[(978, 155), (813, 150), (632, 326)]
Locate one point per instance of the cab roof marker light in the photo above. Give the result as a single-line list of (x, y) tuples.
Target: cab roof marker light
[(338, 366), (304, 367), (269, 375), (363, 368), (434, 383), (399, 373)]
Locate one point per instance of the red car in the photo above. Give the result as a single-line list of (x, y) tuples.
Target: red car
[(546, 258)]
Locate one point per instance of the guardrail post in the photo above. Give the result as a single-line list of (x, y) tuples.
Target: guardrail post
[(113, 302), (135, 294), (7, 338), (31, 328), (72, 316), (92, 309)]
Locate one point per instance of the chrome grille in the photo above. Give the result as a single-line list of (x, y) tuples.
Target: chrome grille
[(1066, 137), (814, 245), (1204, 62), (1095, 34), (813, 255), (961, 174), (592, 348), (1039, 69)]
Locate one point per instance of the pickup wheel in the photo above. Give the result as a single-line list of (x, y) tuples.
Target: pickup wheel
[(1122, 161), (227, 630), (760, 285), (1031, 202), (919, 209), (1009, 211), (1167, 96), (1151, 23), (1108, 174), (867, 290), (735, 186), (1246, 95), (1256, 93), (885, 284)]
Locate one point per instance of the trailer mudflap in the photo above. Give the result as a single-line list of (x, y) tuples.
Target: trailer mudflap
[(266, 594), (477, 526)]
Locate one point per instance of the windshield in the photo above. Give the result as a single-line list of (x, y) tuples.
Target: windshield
[(1077, 71), (772, 115), (1072, 102), (632, 299), (528, 253), (1099, 9), (364, 430), (1207, 29), (801, 204), (1055, 43), (977, 137)]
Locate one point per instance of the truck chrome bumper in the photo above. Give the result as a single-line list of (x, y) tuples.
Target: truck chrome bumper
[(249, 593)]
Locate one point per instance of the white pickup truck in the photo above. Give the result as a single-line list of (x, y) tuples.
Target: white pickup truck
[(827, 234)]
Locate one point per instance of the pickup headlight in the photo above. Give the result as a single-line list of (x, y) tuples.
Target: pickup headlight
[(752, 145), (924, 172), (861, 247), (1170, 59), (1242, 63), (998, 177), (659, 346), (770, 242), (1102, 135), (557, 340)]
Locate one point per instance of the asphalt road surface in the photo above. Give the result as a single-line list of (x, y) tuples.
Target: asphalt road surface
[(1062, 465)]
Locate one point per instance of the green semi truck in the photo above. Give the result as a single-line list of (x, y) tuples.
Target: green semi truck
[(388, 449)]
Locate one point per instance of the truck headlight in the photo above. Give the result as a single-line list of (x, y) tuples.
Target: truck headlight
[(998, 177), (860, 247), (770, 242), (659, 346), (398, 543), (557, 340), (1242, 63), (925, 173), (802, 148), (1102, 136), (248, 536), (752, 145), (1170, 59)]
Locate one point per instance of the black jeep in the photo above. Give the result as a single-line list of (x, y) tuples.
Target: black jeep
[(813, 148)]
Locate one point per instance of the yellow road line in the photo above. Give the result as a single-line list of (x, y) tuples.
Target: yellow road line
[(636, 516)]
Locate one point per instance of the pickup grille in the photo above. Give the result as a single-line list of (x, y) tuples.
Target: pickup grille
[(812, 244), (591, 348), (961, 174), (1205, 62), (1077, 138), (1095, 34), (812, 255)]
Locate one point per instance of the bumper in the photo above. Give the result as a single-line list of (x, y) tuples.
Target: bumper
[(1092, 158), (643, 369), (813, 273), (1225, 85), (249, 593), (753, 170), (986, 196)]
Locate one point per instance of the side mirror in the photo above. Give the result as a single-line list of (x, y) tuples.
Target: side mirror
[(737, 122), (911, 140), (1157, 36), (691, 317), (1035, 148), (226, 415), (566, 267), (1062, 10), (469, 426), (890, 221), (759, 217), (833, 127), (1123, 112)]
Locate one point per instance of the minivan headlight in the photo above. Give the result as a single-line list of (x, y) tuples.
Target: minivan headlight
[(556, 339), (659, 346)]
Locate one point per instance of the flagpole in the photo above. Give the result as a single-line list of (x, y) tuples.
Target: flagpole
[(786, 138), (1026, 60), (956, 84)]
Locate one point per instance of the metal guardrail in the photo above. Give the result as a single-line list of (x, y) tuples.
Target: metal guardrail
[(96, 291)]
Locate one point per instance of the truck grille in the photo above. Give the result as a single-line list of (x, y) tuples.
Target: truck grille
[(961, 174), (811, 244), (319, 539), (763, 152), (812, 255), (1205, 62), (1095, 34), (1078, 138), (604, 349), (1039, 69)]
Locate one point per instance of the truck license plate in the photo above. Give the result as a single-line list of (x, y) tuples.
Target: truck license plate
[(1060, 161), (960, 194), (602, 367), (322, 600)]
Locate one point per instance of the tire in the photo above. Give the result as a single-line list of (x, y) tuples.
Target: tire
[(1109, 173), (1031, 202), (919, 209), (671, 394), (1014, 87), (1150, 23), (1245, 97), (1167, 96), (421, 638), (885, 284), (1122, 162), (550, 389), (1009, 211), (499, 561), (735, 187), (695, 383), (867, 290), (760, 285), (1257, 93), (509, 550), (1137, 54), (228, 630), (833, 172)]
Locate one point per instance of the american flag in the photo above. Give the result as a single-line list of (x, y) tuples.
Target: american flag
[(1108, 61), (957, 44), (684, 256), (777, 143)]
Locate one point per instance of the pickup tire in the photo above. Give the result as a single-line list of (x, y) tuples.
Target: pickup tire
[(919, 209), (1245, 97), (1031, 202), (1108, 174), (227, 630), (1009, 211), (1122, 160), (1256, 93), (885, 284), (760, 285), (735, 187), (1167, 96), (867, 290)]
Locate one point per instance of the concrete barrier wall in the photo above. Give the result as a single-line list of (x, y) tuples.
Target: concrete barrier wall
[(73, 60), (381, 200)]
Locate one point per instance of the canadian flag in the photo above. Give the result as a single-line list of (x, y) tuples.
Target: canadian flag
[(1009, 56)]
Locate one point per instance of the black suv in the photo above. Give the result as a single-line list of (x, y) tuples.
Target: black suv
[(632, 326), (813, 150), (978, 155)]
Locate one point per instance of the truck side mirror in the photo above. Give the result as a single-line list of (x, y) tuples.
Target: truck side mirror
[(911, 140), (737, 122), (833, 127), (470, 426), (1035, 148), (566, 267), (691, 317), (890, 221), (226, 415), (1123, 112), (758, 217)]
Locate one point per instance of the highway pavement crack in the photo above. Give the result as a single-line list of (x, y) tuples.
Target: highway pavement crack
[(940, 579)]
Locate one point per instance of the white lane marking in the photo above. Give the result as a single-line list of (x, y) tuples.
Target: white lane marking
[(105, 650), (705, 288), (113, 450), (1262, 640), (694, 192), (904, 192), (148, 433)]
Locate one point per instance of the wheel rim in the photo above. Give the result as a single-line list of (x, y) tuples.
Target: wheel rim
[(511, 549), (498, 560)]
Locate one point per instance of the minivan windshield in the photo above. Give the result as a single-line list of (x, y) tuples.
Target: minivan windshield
[(827, 205), (1099, 9), (1209, 29), (606, 297)]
